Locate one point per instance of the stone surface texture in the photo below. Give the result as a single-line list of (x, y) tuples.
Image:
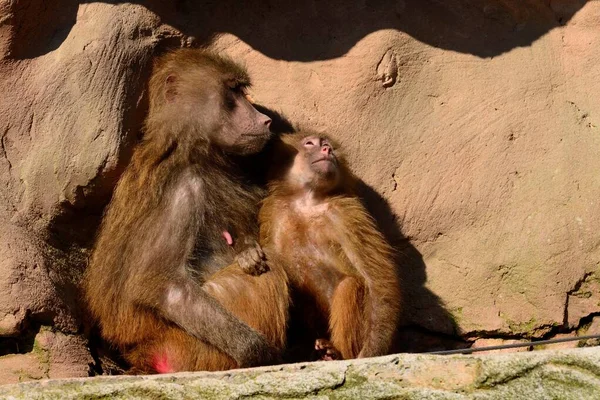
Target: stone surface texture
[(567, 374), (474, 124)]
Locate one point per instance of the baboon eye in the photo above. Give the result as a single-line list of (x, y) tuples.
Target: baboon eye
[(309, 143), (229, 102), (233, 85), (239, 89)]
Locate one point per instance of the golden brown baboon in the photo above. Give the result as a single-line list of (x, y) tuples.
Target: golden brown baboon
[(176, 279), (340, 268)]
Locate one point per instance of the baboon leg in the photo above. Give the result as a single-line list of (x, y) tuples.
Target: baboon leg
[(260, 301), (173, 350), (346, 320)]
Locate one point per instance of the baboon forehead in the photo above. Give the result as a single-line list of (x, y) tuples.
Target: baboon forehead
[(199, 63)]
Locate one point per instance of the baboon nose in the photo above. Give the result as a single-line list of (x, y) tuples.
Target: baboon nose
[(326, 150), (268, 122)]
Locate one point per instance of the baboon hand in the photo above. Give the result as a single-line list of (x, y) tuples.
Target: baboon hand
[(326, 351), (253, 260), (259, 352)]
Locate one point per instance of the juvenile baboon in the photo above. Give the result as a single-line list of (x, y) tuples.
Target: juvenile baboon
[(176, 277), (340, 269)]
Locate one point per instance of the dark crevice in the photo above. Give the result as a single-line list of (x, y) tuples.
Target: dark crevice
[(580, 282), (24, 342), (416, 339), (107, 360)]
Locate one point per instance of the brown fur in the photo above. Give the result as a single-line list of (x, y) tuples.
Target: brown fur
[(162, 281), (340, 268)]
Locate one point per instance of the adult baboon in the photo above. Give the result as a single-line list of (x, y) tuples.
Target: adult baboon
[(176, 278)]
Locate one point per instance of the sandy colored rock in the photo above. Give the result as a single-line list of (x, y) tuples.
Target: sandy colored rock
[(475, 126), (498, 342), (563, 345), (485, 161), (584, 300), (593, 328), (566, 374), (51, 355), (67, 355), (10, 324), (15, 368)]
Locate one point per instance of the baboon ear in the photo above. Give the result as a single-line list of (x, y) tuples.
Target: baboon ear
[(171, 87)]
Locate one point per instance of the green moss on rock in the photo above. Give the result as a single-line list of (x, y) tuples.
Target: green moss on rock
[(562, 374)]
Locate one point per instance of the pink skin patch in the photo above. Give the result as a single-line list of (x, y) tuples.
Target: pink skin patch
[(161, 364), (228, 238)]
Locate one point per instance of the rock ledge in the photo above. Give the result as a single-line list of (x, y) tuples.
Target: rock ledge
[(564, 374)]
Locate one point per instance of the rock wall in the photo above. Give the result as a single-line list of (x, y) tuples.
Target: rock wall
[(474, 124)]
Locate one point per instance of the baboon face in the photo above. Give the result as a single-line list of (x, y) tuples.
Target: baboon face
[(207, 93), (242, 128), (316, 163)]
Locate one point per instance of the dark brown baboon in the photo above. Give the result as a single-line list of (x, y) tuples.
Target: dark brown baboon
[(341, 273), (176, 278)]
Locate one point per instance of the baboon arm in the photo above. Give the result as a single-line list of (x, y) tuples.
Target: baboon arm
[(195, 311), (381, 322), (382, 311), (169, 287), (373, 258), (382, 306)]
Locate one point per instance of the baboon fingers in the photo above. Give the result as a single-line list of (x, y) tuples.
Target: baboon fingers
[(326, 351), (252, 261)]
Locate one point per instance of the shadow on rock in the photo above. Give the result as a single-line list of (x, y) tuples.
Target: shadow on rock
[(425, 323), (320, 30)]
